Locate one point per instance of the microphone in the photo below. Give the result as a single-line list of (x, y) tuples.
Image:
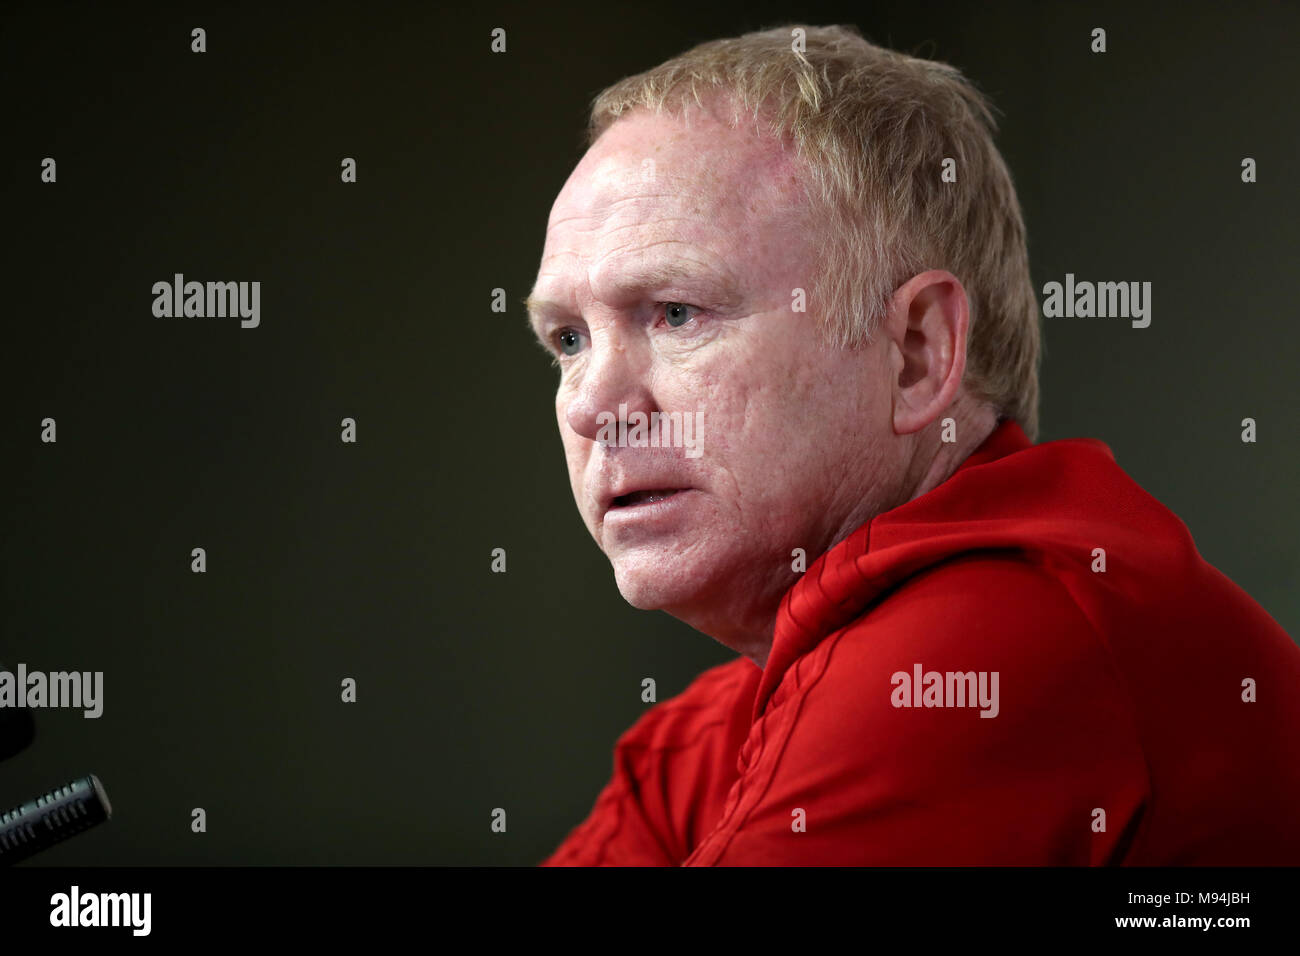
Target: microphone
[(16, 729), (52, 817), (55, 815)]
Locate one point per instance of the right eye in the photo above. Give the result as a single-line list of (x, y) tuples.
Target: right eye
[(568, 341)]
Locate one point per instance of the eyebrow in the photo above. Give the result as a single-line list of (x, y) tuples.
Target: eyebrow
[(720, 288)]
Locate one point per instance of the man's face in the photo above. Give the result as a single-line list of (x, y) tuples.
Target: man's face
[(672, 259)]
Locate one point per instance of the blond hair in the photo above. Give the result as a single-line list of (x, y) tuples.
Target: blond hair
[(873, 127)]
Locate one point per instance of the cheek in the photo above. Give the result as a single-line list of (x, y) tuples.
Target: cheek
[(781, 421), (575, 448), (750, 433)]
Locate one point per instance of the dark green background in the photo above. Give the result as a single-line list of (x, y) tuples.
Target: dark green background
[(326, 560)]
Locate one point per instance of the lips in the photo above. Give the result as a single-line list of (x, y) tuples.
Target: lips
[(644, 497), (628, 494)]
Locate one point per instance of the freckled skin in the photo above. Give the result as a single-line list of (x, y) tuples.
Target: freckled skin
[(799, 444)]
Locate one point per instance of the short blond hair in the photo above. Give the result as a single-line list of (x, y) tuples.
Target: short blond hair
[(873, 128)]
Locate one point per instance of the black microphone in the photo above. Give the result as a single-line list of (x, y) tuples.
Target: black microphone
[(52, 817), (16, 729)]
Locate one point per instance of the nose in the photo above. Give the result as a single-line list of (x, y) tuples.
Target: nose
[(614, 383)]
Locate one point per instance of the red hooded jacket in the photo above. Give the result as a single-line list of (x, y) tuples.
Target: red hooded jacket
[(1030, 664)]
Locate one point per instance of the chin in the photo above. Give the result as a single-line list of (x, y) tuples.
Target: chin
[(654, 584)]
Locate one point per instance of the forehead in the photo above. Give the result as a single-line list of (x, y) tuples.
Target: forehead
[(658, 193), (694, 161)]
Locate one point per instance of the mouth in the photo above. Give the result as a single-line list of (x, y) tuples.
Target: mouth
[(649, 496)]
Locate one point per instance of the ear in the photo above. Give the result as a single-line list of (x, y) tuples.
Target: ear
[(926, 328)]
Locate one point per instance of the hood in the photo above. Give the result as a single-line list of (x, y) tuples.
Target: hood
[(1054, 502)]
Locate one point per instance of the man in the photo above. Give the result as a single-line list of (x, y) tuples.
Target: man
[(957, 647)]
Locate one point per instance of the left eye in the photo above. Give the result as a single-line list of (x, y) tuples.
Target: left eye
[(678, 313)]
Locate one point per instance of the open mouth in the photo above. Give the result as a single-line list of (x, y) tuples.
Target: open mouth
[(644, 497)]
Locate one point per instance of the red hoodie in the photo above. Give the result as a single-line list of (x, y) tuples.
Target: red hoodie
[(969, 679)]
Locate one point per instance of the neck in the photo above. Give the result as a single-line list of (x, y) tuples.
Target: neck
[(936, 460), (929, 464)]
